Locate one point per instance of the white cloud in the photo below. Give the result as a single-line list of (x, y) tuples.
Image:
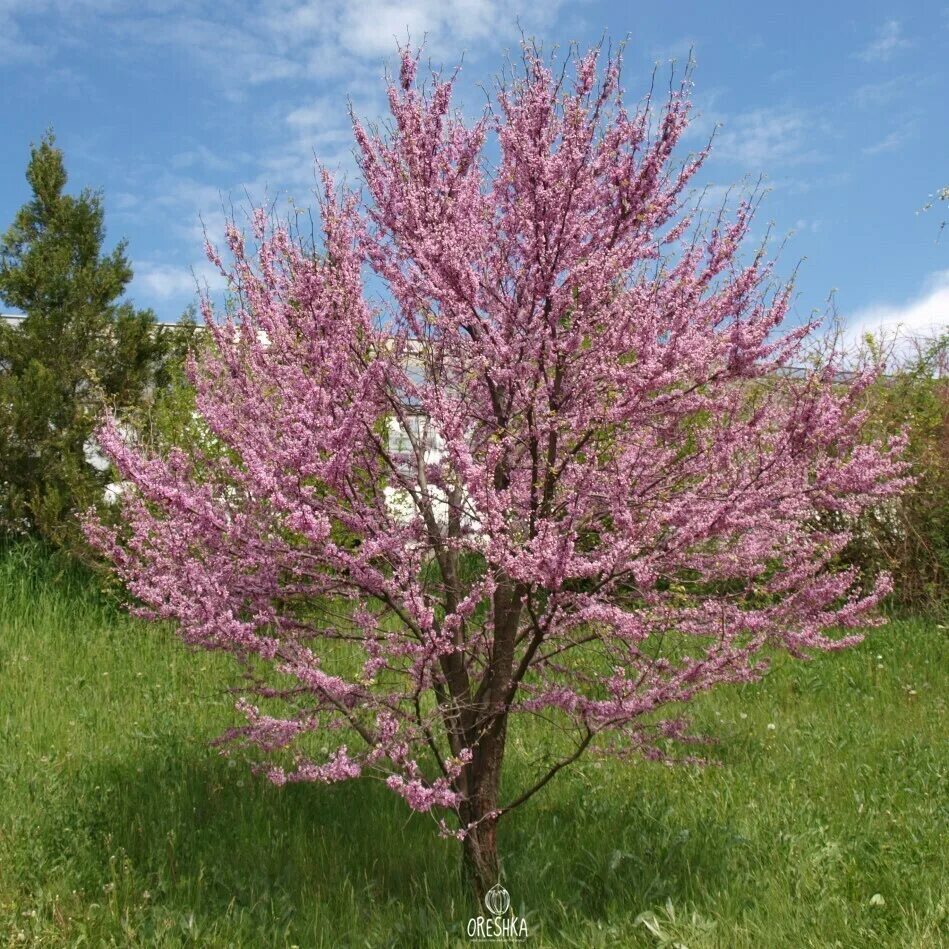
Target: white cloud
[(307, 39), (200, 156), (889, 40), (762, 138), (15, 48), (925, 315), (124, 201), (373, 28), (874, 95), (315, 114), (807, 224), (169, 282), (188, 206), (889, 143)]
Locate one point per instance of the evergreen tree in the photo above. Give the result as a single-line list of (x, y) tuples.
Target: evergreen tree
[(80, 348)]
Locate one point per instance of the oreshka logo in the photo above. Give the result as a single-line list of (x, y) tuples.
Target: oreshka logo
[(500, 923)]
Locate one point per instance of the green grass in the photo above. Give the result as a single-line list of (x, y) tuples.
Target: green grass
[(120, 825)]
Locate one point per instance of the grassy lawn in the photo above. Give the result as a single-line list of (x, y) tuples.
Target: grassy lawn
[(826, 824)]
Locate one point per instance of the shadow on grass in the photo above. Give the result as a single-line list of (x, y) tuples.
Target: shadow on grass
[(349, 863)]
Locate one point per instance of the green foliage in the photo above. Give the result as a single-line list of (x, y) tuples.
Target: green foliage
[(169, 419), (910, 538), (120, 825), (80, 349)]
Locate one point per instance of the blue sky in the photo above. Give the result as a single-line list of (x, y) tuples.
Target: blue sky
[(179, 111)]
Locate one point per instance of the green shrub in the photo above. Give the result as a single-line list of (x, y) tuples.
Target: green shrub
[(910, 537)]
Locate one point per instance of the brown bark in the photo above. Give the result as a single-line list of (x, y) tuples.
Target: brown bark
[(480, 861), (484, 725)]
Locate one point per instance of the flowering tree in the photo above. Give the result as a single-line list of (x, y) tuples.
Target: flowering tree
[(604, 494)]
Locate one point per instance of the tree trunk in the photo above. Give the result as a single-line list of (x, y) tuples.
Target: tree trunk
[(483, 773), (480, 859)]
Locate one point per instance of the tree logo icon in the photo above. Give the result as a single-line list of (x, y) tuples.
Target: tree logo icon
[(497, 900), (498, 925)]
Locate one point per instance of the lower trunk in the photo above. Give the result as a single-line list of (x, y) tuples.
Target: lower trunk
[(480, 861), (483, 773)]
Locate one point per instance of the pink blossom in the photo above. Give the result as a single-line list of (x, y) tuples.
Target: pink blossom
[(628, 502)]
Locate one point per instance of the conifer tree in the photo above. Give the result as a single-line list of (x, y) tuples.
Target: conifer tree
[(81, 347)]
